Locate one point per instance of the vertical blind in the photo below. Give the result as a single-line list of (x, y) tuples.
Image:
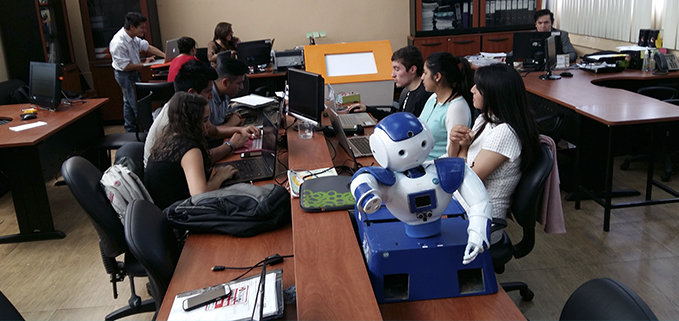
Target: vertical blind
[(618, 19)]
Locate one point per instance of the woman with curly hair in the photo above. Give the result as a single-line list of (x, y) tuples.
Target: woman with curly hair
[(179, 164), (223, 40)]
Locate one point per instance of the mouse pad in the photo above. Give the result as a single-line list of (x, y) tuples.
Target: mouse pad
[(327, 193)]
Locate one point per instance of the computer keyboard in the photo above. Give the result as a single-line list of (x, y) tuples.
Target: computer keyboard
[(599, 68), (4, 121), (361, 144)]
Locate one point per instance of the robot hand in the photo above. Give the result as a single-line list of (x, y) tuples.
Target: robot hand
[(368, 197), (479, 214)]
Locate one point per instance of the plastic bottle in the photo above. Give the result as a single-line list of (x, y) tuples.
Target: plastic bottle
[(651, 60), (646, 65)]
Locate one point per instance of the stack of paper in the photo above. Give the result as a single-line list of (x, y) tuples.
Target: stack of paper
[(253, 101)]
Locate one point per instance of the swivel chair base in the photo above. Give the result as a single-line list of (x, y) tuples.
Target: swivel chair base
[(524, 291), (146, 306)]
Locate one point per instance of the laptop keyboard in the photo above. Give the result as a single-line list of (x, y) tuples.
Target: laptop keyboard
[(361, 144), (250, 168), (257, 143), (351, 120), (4, 121)]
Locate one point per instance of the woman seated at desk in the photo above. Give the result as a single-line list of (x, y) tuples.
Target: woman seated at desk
[(179, 165), (505, 138), (187, 51), (450, 79), (222, 41)]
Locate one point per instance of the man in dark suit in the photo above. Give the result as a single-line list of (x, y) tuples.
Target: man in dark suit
[(543, 23)]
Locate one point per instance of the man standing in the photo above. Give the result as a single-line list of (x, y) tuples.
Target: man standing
[(125, 47), (544, 19), (407, 65), (231, 78)]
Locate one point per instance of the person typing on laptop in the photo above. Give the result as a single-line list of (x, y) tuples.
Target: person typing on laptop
[(180, 164), (231, 77), (407, 66), (197, 77), (125, 47)]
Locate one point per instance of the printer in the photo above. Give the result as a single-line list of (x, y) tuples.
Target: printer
[(285, 59)]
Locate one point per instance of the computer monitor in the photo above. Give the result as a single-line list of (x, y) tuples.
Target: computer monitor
[(305, 95), (45, 85), (529, 46), (550, 58), (255, 54)]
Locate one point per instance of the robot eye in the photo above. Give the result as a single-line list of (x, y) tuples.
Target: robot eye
[(410, 134), (401, 152), (424, 143)]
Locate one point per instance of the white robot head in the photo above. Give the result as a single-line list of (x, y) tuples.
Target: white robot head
[(401, 142)]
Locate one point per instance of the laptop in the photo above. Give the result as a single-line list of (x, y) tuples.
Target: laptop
[(171, 52), (256, 117), (349, 121), (356, 146), (260, 167)]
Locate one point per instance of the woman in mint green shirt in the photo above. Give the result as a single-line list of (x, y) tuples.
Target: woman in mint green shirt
[(450, 79)]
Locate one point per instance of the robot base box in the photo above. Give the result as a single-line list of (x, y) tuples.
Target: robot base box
[(402, 268)]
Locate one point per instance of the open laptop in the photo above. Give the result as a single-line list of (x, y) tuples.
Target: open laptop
[(171, 52), (259, 167), (356, 146), (349, 121)]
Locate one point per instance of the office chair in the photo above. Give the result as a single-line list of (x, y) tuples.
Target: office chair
[(114, 141), (667, 94), (7, 310), (153, 242), (135, 152), (526, 203), (162, 91), (605, 299), (82, 178), (201, 54)]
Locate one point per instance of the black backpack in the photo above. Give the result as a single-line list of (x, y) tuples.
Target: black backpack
[(239, 210)]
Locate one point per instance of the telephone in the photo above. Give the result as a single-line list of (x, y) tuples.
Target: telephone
[(665, 63)]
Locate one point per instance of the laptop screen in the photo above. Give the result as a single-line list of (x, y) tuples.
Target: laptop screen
[(337, 127)]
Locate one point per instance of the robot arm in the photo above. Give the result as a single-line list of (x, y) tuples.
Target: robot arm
[(480, 214), (365, 190)]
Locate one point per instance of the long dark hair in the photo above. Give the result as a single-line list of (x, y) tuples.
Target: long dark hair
[(505, 100), (456, 72), (222, 30), (185, 113)]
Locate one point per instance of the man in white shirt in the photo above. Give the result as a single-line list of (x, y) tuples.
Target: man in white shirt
[(125, 47)]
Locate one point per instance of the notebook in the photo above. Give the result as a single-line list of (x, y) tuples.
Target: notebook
[(257, 168), (356, 146), (349, 121)]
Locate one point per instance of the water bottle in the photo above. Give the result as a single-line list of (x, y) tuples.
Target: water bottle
[(646, 64), (651, 60)]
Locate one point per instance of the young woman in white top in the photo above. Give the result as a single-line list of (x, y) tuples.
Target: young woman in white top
[(450, 79), (504, 140)]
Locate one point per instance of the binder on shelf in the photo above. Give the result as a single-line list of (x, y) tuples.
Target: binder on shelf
[(465, 15)]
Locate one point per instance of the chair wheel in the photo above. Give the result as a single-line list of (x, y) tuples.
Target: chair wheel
[(665, 177), (624, 166), (526, 295)]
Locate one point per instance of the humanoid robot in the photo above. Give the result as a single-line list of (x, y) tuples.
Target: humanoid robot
[(418, 192)]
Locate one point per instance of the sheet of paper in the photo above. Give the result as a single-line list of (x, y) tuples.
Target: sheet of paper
[(253, 100), (238, 306), (494, 54), (27, 126)]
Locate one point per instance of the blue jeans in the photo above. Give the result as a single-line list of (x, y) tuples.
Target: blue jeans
[(126, 80)]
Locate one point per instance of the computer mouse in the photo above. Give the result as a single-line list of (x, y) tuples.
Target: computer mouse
[(28, 116), (352, 110), (566, 74)]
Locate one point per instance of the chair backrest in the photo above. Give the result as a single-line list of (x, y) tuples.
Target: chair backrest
[(82, 178), (162, 91), (605, 299), (201, 54), (526, 201), (145, 113), (658, 92), (152, 241), (7, 310)]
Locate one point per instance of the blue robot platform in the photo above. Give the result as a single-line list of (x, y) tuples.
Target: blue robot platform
[(402, 268)]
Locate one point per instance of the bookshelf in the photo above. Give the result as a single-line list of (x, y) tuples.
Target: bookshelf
[(467, 27)]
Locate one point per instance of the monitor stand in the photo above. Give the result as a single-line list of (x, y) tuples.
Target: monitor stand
[(549, 76)]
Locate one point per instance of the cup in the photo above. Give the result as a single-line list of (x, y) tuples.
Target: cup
[(305, 130)]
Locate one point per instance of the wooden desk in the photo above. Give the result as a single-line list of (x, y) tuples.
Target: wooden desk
[(593, 116), (329, 272), (33, 156)]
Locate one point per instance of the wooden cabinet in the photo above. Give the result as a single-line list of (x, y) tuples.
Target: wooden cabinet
[(38, 30), (101, 20), (477, 25), (457, 45)]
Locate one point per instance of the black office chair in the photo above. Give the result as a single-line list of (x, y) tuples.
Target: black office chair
[(605, 299), (7, 310), (162, 91), (201, 54), (135, 152), (667, 94), (144, 118), (153, 242), (82, 178), (526, 203)]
